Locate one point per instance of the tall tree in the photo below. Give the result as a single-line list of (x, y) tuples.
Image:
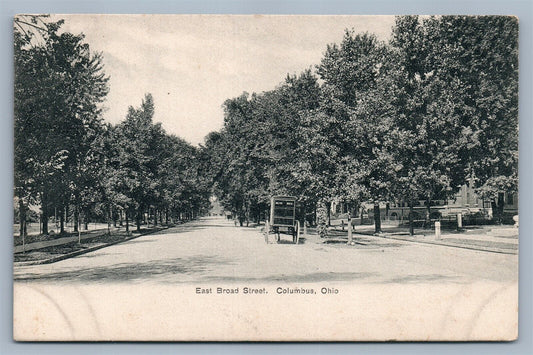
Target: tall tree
[(355, 103), (477, 59), (59, 86), (426, 125), (136, 178)]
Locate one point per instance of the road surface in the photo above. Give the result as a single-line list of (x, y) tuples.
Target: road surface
[(213, 249)]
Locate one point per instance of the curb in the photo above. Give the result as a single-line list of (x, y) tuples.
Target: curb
[(58, 242), (486, 249), (79, 252), (450, 245)]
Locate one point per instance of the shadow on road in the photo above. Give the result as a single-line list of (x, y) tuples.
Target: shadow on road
[(421, 279), (125, 272), (184, 228), (312, 277), (138, 241), (334, 276), (287, 241)]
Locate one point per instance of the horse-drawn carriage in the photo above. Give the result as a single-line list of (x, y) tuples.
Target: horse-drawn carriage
[(283, 218)]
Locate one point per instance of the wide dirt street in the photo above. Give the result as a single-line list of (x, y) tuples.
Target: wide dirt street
[(213, 249), (166, 286)]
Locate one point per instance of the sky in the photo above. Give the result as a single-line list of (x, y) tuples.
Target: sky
[(192, 63)]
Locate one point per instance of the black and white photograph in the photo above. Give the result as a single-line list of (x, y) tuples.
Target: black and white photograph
[(265, 177)]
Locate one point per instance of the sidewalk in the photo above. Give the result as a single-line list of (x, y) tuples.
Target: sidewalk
[(51, 251), (62, 240), (497, 239)]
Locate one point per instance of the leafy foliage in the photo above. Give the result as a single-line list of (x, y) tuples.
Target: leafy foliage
[(65, 156), (414, 118)]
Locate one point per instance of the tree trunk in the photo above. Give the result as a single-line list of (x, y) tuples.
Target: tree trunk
[(62, 221), (109, 218), (350, 236), (411, 213), (44, 220), (127, 222), (67, 212), (328, 206), (166, 216), (76, 219), (247, 213), (22, 217), (499, 208), (86, 219), (428, 212), (304, 211), (138, 219), (155, 217), (377, 218)]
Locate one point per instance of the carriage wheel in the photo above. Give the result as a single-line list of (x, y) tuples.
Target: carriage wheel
[(276, 232), (296, 232)]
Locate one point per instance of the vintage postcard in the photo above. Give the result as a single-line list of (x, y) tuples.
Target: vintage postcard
[(265, 178)]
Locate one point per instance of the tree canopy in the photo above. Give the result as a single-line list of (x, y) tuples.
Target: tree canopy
[(413, 118), (66, 156)]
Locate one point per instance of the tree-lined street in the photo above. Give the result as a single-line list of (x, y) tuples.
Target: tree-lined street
[(214, 250), (407, 121), (73, 166), (390, 159)]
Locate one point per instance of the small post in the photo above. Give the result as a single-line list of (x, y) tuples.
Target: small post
[(437, 230), (350, 238), (79, 228), (459, 220), (342, 224), (267, 230), (298, 234)]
